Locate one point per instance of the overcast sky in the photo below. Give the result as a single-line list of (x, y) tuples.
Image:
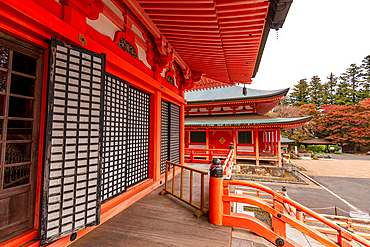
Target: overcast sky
[(318, 37)]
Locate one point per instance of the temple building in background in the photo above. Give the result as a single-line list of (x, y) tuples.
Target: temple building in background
[(214, 118)]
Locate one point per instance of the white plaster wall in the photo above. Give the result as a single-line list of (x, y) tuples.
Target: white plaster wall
[(197, 146), (104, 26), (138, 32), (245, 148), (142, 56), (163, 74)]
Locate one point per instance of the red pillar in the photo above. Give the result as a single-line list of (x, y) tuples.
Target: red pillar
[(182, 132), (156, 136), (273, 142), (279, 147), (215, 193), (207, 142), (256, 147), (234, 141)]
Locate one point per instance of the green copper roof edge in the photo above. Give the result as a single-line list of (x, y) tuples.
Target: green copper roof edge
[(282, 92)]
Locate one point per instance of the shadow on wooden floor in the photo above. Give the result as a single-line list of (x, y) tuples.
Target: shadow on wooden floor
[(160, 221)]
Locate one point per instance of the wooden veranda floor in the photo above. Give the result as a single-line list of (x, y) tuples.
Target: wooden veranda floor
[(160, 221)]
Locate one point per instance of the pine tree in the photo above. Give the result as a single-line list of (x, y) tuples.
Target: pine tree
[(354, 76), (299, 95), (343, 96), (365, 76), (329, 89), (315, 91)]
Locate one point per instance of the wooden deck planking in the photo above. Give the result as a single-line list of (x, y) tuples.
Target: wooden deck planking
[(160, 221)]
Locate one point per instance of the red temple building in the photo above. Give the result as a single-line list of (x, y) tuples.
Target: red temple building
[(92, 101), (214, 118)]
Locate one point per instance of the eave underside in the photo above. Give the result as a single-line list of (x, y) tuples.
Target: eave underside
[(216, 37)]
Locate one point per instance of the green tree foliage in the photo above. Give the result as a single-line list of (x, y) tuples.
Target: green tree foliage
[(316, 93), (343, 95), (354, 77), (365, 79), (299, 95), (351, 87), (329, 89)]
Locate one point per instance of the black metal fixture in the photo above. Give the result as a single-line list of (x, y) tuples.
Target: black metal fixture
[(245, 90)]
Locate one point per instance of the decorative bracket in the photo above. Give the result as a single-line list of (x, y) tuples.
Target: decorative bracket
[(161, 45), (189, 83), (161, 61), (126, 41), (169, 76)]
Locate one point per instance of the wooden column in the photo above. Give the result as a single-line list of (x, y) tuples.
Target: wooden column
[(270, 141), (182, 133), (207, 139), (207, 142), (256, 147), (273, 142), (279, 147), (234, 140), (156, 136)]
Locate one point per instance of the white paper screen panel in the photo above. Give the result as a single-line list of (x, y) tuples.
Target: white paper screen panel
[(113, 180), (164, 135), (72, 158), (138, 137)]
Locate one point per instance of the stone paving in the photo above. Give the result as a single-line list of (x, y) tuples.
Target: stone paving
[(345, 165), (347, 175)]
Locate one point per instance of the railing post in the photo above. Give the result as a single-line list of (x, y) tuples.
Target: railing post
[(215, 192), (349, 224), (277, 224), (234, 152), (191, 156), (164, 191), (344, 238)]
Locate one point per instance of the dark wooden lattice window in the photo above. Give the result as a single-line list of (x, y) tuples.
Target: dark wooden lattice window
[(71, 199), (113, 180), (198, 137), (137, 168), (164, 135), (245, 137), (174, 128)]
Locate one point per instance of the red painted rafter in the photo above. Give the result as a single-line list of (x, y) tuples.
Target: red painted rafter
[(194, 13), (176, 6), (216, 37)]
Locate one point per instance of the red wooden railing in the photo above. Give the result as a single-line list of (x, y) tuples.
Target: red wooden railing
[(228, 164), (359, 226), (204, 155), (277, 233)]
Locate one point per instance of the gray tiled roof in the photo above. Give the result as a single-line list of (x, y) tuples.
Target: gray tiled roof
[(233, 92), (240, 119)]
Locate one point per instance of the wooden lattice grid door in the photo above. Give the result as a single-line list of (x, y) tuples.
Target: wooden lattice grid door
[(72, 157)]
